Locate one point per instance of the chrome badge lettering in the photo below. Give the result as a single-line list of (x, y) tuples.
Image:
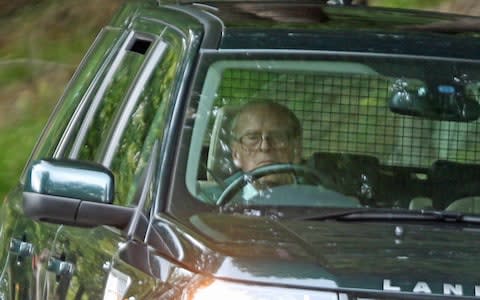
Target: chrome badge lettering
[(424, 288)]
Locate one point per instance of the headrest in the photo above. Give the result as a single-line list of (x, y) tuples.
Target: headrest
[(219, 163), (465, 205)]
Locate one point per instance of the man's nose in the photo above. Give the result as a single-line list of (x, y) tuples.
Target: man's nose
[(265, 143)]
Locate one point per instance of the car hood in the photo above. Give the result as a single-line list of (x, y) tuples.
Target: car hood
[(435, 258)]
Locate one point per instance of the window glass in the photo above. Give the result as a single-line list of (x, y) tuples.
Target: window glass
[(113, 98), (146, 120), (376, 132)]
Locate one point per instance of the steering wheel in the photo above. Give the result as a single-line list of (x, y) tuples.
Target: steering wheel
[(278, 168)]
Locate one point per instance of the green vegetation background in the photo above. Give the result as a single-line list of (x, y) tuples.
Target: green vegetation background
[(41, 43)]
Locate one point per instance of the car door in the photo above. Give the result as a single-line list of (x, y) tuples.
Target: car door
[(24, 249), (128, 124)]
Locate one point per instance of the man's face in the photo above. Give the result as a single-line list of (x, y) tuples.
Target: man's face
[(262, 137)]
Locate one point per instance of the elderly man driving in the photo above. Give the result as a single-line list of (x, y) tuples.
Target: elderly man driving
[(265, 133)]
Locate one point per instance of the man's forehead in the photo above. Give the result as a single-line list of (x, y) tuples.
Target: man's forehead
[(259, 117), (260, 125), (263, 113)]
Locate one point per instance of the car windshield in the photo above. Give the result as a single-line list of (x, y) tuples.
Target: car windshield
[(376, 132)]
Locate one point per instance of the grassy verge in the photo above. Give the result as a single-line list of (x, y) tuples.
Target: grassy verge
[(16, 144), (26, 106), (414, 4)]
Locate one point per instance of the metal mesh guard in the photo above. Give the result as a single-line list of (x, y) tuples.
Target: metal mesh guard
[(349, 113)]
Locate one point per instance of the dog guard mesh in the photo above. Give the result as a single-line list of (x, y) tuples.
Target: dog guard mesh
[(349, 113)]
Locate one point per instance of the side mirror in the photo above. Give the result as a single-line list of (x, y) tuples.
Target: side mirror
[(73, 193)]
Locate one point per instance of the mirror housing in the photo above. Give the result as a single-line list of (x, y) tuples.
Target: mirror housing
[(72, 179), (442, 102), (72, 192)]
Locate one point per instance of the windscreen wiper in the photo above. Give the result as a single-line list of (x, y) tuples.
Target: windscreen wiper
[(366, 214)]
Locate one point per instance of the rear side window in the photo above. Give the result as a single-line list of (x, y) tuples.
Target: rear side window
[(144, 119), (108, 100)]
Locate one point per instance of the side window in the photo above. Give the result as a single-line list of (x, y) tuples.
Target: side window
[(108, 102), (116, 107), (143, 118)]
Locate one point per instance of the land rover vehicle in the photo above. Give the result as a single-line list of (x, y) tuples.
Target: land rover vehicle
[(126, 195)]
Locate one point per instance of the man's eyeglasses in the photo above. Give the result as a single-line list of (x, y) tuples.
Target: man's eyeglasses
[(276, 140)]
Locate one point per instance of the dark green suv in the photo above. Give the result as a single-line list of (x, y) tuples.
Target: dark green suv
[(257, 150)]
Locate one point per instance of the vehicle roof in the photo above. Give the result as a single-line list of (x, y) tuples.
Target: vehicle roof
[(313, 25), (317, 15)]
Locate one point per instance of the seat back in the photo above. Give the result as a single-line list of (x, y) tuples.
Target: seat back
[(465, 205), (418, 203)]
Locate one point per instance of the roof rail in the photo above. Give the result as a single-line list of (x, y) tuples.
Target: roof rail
[(327, 2)]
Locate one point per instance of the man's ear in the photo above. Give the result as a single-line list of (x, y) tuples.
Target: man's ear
[(235, 156)]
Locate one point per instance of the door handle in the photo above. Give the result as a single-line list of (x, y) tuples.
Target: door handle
[(20, 248), (60, 267)]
